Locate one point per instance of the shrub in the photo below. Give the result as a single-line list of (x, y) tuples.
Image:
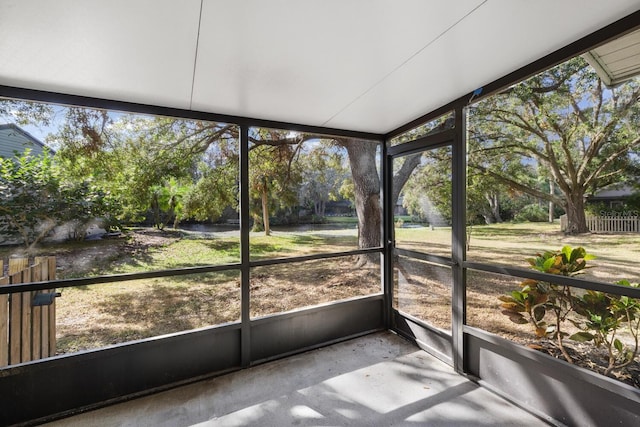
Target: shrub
[(536, 298), (532, 213), (36, 199), (600, 316)]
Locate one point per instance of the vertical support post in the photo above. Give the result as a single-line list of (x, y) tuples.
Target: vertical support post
[(459, 238), (387, 234), (15, 321), (4, 320), (36, 313), (245, 301), (26, 317), (52, 308), (43, 323)]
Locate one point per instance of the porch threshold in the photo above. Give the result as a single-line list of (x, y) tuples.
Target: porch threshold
[(376, 380)]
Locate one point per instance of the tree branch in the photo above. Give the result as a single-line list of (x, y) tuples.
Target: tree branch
[(517, 186)]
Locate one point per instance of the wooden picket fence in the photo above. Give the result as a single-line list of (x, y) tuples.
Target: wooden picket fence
[(608, 224), (27, 321)]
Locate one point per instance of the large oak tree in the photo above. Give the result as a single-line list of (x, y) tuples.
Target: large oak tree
[(564, 121)]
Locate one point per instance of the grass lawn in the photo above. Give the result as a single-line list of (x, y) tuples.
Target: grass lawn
[(423, 289), (98, 315), (102, 314)]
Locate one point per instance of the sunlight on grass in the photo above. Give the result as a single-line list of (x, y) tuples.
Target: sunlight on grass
[(98, 315), (441, 235), (103, 314), (195, 252)]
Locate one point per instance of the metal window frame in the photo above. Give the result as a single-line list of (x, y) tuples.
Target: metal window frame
[(438, 343)]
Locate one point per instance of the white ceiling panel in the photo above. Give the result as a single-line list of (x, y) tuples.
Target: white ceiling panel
[(141, 51), (497, 38), (305, 61), (369, 65)]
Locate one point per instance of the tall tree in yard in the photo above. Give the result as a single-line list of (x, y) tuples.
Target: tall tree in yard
[(580, 133), (362, 159), (136, 156), (274, 177), (324, 172)]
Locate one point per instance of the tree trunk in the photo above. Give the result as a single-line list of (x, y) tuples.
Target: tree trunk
[(265, 211), (362, 159), (494, 205), (403, 174), (551, 191), (576, 218), (155, 207)]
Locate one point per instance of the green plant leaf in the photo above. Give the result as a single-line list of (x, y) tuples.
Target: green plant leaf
[(582, 337), (548, 263), (518, 296), (576, 254), (618, 345)]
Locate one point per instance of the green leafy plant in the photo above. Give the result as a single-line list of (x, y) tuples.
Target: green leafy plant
[(36, 198), (29, 189), (532, 213), (536, 299), (603, 316)]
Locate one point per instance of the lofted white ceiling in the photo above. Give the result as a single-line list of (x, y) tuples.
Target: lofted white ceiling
[(369, 65)]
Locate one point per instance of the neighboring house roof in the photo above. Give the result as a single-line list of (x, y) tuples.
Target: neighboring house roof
[(617, 61), (615, 191), (14, 139)]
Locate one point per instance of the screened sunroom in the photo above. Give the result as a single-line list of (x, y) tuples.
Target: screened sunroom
[(320, 213)]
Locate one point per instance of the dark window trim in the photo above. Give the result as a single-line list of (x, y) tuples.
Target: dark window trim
[(126, 277), (560, 280), (132, 107)]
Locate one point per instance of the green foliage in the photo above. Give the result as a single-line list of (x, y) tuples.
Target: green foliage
[(36, 198), (599, 316), (602, 316), (427, 193), (563, 125), (274, 176), (216, 189), (532, 213), (82, 203), (29, 192), (161, 168), (325, 170), (166, 203), (536, 298)]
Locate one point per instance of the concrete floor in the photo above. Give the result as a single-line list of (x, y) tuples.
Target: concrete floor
[(377, 380)]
